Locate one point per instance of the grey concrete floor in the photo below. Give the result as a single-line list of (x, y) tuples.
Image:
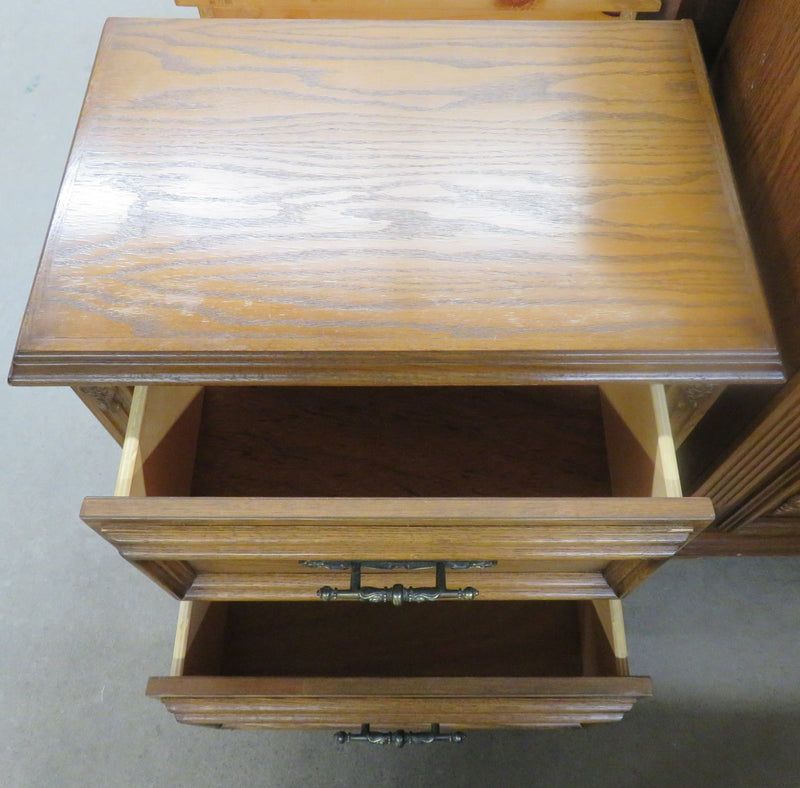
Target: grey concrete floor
[(82, 630)]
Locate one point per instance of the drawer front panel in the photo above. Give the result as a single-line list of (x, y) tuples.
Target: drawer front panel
[(298, 587), (203, 545), (392, 712)]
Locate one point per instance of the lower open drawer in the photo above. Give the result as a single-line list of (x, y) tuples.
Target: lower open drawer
[(310, 665)]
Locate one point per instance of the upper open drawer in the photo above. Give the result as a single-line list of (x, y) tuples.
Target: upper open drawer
[(271, 493)]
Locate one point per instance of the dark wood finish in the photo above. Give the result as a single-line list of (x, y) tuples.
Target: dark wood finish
[(751, 462), (757, 87), (770, 497), (373, 442), (764, 536), (440, 639), (711, 19), (720, 431), (413, 236)]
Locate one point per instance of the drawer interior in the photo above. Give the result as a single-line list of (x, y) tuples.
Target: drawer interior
[(401, 441), (395, 442), (312, 639)]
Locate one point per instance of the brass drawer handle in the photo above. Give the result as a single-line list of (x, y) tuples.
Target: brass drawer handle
[(400, 738), (398, 593)]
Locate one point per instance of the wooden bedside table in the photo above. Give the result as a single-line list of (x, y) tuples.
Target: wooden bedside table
[(398, 301)]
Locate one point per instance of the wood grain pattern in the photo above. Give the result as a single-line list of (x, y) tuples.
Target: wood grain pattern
[(769, 497), (788, 508), (418, 9), (324, 202), (315, 515)]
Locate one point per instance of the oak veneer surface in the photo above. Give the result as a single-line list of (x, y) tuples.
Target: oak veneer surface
[(376, 202)]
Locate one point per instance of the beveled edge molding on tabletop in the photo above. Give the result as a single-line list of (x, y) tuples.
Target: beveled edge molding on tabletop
[(364, 368)]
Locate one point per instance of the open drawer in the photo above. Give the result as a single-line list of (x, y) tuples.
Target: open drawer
[(272, 493), (308, 665)]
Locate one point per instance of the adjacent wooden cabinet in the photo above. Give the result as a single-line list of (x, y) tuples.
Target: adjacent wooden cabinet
[(387, 311), (746, 454)]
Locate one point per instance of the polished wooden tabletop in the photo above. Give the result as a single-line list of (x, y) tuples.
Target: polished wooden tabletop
[(300, 201)]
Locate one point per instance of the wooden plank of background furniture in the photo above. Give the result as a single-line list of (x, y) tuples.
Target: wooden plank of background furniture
[(757, 86), (420, 9)]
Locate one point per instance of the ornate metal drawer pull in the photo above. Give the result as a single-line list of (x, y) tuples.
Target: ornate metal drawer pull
[(398, 593), (400, 738)]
